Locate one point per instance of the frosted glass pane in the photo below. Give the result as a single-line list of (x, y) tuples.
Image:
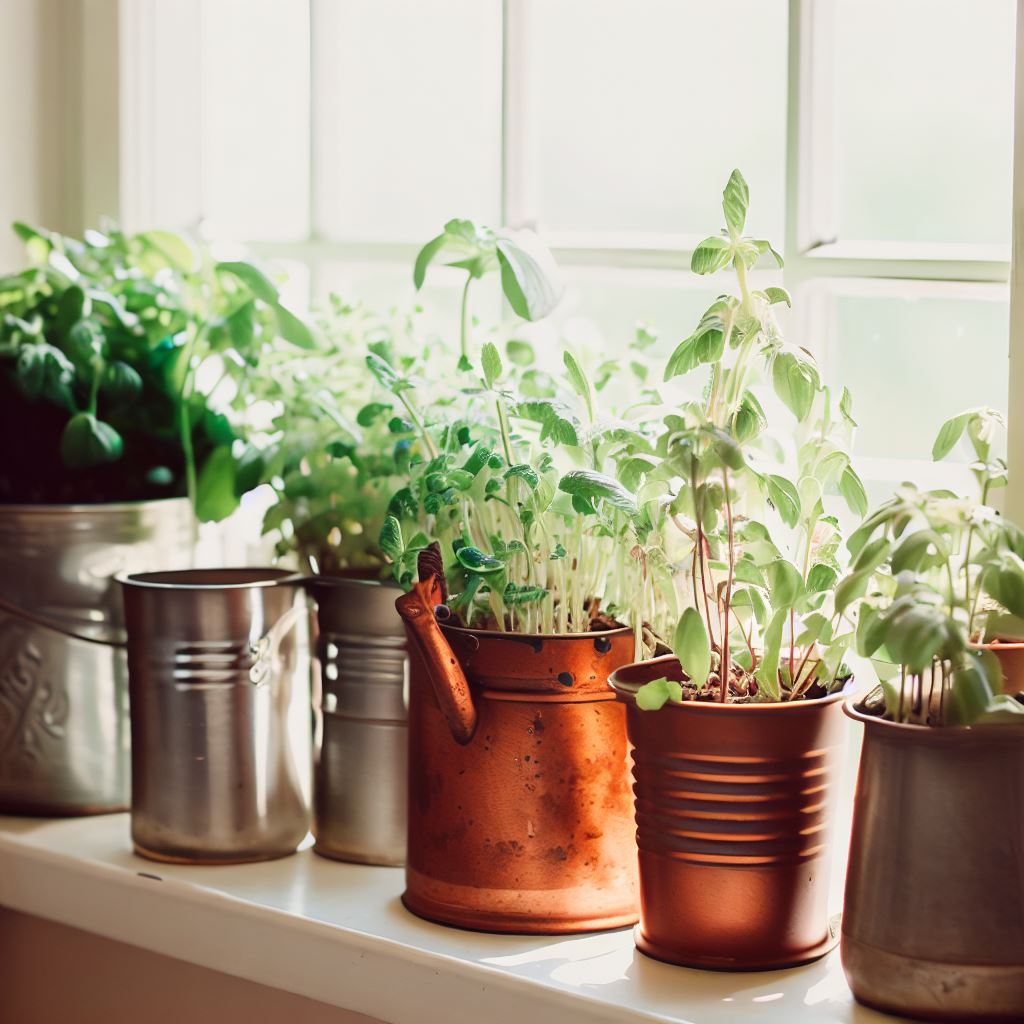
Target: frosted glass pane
[(924, 120), (255, 75), (642, 109), (911, 363), (407, 116)]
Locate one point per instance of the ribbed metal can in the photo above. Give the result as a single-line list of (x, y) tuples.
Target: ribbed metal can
[(360, 700), (735, 807), (64, 735), (213, 672)]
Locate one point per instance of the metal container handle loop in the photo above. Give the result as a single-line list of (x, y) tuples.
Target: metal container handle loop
[(45, 623), (265, 649)]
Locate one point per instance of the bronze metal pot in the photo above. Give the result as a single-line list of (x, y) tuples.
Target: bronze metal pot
[(734, 809), (933, 925), (520, 814)]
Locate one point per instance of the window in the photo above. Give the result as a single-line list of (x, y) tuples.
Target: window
[(875, 134)]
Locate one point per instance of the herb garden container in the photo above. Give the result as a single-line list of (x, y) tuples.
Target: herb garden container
[(360, 698), (933, 924), (64, 734), (212, 673), (734, 810), (520, 814)]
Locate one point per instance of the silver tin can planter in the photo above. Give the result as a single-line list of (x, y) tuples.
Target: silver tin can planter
[(212, 666), (64, 736), (361, 738)]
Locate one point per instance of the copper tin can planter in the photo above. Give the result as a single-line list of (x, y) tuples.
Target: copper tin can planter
[(212, 673), (64, 735), (933, 924), (1011, 660), (734, 810), (527, 825)]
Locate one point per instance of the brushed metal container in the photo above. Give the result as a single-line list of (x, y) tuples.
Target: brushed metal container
[(735, 806), (64, 735), (212, 668), (360, 699), (933, 924), (520, 813)]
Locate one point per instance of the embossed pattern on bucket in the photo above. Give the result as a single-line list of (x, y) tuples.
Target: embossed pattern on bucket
[(212, 673), (64, 735), (734, 810), (360, 699)]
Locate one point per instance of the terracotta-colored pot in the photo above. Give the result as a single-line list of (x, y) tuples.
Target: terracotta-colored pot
[(933, 924), (1011, 660), (520, 811), (734, 812)]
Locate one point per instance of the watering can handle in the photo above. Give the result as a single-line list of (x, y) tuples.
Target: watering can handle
[(451, 688)]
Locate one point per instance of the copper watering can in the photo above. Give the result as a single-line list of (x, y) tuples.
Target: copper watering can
[(520, 807)]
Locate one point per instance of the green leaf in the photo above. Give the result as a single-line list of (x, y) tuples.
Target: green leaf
[(852, 490), (519, 594), (121, 381), (1004, 581), (294, 330), (653, 696), (578, 381), (971, 690), (254, 279), (916, 635), (785, 584), (216, 490), (712, 255), (851, 588), (796, 381), (87, 442), (705, 345), (173, 248), (424, 258), (692, 646), (949, 434), (750, 419), (785, 497), (524, 472), (477, 561), (490, 360), (520, 352), (372, 412), (735, 201), (821, 578), (871, 626), (846, 407), (590, 485), (385, 374), (555, 419), (767, 673), (390, 541), (527, 275), (919, 550), (776, 295)]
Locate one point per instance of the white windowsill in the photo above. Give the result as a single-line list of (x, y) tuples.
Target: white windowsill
[(338, 933)]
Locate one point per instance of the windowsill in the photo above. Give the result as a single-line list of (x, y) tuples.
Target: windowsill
[(338, 933)]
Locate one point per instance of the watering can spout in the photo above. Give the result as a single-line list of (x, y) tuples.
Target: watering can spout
[(420, 609)]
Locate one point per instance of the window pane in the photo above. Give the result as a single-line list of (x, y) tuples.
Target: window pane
[(643, 109), (911, 361), (407, 116), (924, 120), (255, 74)]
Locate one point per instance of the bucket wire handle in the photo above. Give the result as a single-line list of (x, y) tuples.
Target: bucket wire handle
[(45, 623), (265, 649)]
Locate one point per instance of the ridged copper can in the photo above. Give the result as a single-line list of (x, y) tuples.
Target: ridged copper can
[(734, 810), (933, 922), (527, 825)]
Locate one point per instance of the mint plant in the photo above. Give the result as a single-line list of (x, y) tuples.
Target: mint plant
[(930, 570), (102, 344), (760, 546)]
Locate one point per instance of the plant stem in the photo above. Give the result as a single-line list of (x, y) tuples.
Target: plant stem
[(728, 588), (464, 319), (185, 433)]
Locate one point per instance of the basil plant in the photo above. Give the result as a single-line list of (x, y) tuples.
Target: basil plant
[(755, 522), (932, 575), (123, 368)]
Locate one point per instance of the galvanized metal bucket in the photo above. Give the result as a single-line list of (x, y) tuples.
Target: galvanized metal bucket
[(360, 698), (212, 666), (64, 733)]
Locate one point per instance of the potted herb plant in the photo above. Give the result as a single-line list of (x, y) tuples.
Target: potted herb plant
[(933, 924), (105, 347), (737, 733), (516, 538)]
